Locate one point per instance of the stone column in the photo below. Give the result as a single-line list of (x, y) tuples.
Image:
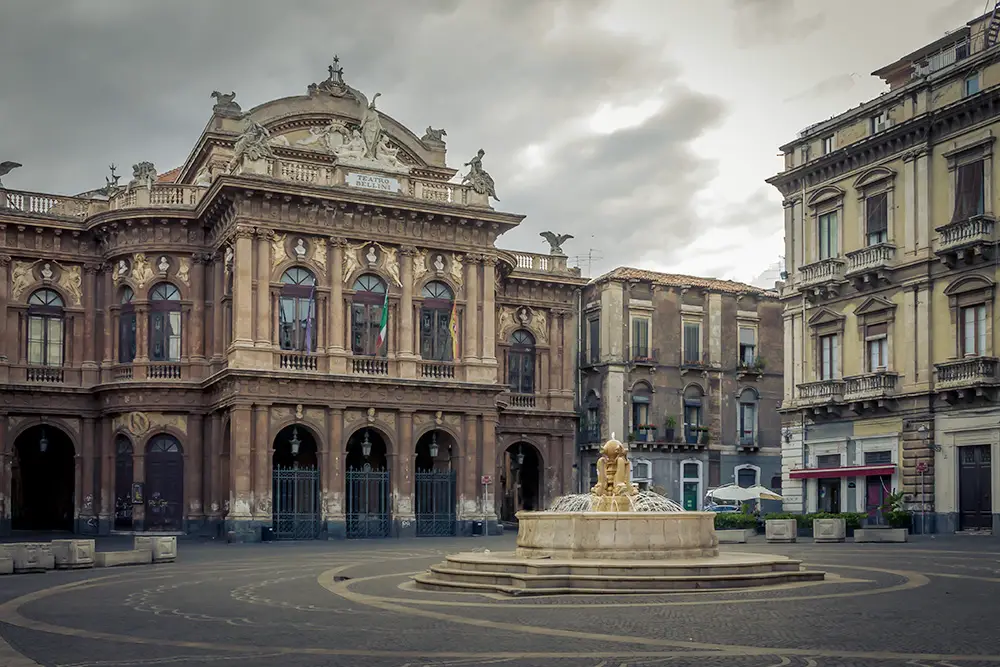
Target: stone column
[(142, 334), (557, 356), (106, 513), (567, 329), (110, 325), (333, 474), (240, 424), (198, 291), (243, 288), (489, 310), (90, 493), (6, 344), (338, 363), (488, 465), (218, 291), (262, 465), (470, 322), (470, 490), (262, 335), (406, 456), (195, 511), (138, 476), (211, 454), (90, 351), (5, 476), (406, 301)]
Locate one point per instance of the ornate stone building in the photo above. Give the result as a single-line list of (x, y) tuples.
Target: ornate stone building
[(307, 327), (689, 371)]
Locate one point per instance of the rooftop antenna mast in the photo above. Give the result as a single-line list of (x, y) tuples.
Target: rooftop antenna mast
[(591, 256)]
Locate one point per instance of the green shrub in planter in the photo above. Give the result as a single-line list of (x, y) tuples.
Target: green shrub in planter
[(734, 521)]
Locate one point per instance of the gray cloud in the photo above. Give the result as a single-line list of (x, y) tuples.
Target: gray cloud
[(836, 84), (772, 22), (87, 84)]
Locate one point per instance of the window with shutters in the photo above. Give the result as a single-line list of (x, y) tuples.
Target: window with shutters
[(972, 330), (366, 316), (45, 328), (828, 461), (126, 326), (877, 218), (748, 345), (969, 191), (877, 346), (878, 458), (521, 362), (692, 343), (164, 323), (640, 339), (297, 311), (829, 235), (594, 339), (829, 357), (435, 323)]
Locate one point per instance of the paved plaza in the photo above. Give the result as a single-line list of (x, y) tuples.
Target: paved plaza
[(929, 602)]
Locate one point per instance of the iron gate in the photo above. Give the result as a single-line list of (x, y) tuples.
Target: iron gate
[(435, 503), (295, 503), (368, 508)]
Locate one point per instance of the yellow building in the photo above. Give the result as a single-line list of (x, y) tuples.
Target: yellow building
[(890, 239)]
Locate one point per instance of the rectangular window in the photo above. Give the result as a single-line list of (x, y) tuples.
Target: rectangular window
[(973, 330), (829, 357), (594, 339), (969, 191), (748, 346), (971, 84), (878, 458), (45, 341), (827, 145), (748, 423), (126, 338), (879, 122), (828, 236), (828, 461), (877, 344), (692, 343), (165, 337), (640, 338), (877, 218), (640, 415)]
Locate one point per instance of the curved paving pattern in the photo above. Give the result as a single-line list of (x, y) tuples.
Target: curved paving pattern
[(925, 603)]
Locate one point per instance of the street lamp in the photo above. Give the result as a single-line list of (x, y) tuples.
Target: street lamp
[(295, 442), (434, 446), (366, 445), (520, 456), (43, 442)]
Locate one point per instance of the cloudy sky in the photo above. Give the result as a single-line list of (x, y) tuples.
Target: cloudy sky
[(643, 127)]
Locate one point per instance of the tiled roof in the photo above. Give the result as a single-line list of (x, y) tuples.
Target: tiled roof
[(679, 280), (169, 177)]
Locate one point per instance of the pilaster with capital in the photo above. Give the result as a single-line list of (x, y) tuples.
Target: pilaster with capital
[(90, 352), (488, 461), (243, 286), (240, 425), (406, 301), (489, 309), (333, 475), (471, 320), (262, 333), (4, 303), (192, 467), (107, 453), (567, 331), (262, 464), (90, 494), (215, 495), (218, 337), (336, 278), (407, 451), (198, 261), (110, 326)]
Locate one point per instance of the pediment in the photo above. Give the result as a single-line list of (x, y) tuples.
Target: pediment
[(875, 304), (874, 176), (825, 316), (825, 194), (969, 283)]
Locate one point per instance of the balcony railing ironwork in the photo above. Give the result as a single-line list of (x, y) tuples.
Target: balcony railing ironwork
[(44, 374), (643, 355)]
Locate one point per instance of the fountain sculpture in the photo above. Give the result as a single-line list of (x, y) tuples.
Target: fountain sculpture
[(615, 539)]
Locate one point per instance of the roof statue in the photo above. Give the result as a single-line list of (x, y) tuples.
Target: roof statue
[(143, 173), (253, 144), (479, 178), (225, 105), (334, 83), (6, 167), (433, 136), (110, 182), (556, 241), (371, 124)]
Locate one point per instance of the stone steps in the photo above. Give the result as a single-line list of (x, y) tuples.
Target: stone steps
[(479, 573)]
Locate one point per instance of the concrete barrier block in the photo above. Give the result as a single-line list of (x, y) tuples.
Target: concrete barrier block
[(117, 558), (738, 536), (163, 548), (73, 554), (6, 565), (781, 530), (894, 535), (29, 556), (829, 530)]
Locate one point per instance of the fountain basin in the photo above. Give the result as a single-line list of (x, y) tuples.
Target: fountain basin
[(632, 536)]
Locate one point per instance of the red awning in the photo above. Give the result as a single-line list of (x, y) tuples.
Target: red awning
[(843, 471)]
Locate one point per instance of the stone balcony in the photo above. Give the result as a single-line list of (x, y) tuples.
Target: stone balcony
[(822, 396), (870, 266), (822, 279), (970, 377), (161, 195), (966, 241), (531, 264), (870, 390)]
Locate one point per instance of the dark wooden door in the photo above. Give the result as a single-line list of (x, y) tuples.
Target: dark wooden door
[(123, 484), (164, 484), (975, 491)]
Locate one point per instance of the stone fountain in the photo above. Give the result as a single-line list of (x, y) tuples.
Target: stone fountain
[(616, 539)]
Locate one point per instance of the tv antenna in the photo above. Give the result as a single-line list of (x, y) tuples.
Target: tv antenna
[(591, 256)]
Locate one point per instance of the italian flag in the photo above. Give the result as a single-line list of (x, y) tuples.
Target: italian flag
[(383, 328)]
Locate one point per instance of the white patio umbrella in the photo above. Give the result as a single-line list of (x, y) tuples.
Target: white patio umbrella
[(764, 493), (733, 492)]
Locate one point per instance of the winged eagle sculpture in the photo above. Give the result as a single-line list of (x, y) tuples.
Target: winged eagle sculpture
[(7, 167), (556, 241)]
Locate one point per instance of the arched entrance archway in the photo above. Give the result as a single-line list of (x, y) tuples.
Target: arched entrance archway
[(123, 483), (434, 482), (164, 489), (520, 480), (369, 509), (295, 485), (43, 480)]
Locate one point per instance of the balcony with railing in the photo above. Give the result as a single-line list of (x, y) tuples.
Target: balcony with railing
[(967, 373), (966, 240), (536, 264), (870, 386), (161, 195), (49, 206), (822, 392), (44, 375), (589, 434), (371, 366), (298, 361), (870, 265), (165, 370), (747, 440), (439, 370), (643, 355), (823, 278)]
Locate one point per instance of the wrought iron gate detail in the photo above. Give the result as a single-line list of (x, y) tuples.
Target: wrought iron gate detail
[(435, 502), (295, 503), (369, 511)]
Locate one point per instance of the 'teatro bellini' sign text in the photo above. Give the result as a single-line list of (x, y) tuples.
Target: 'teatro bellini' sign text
[(372, 182)]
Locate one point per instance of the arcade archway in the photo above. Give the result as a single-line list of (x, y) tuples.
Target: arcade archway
[(368, 491), (43, 480), (295, 485), (520, 481), (434, 482)]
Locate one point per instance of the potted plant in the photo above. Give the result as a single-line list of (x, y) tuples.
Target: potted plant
[(668, 429), (705, 436)]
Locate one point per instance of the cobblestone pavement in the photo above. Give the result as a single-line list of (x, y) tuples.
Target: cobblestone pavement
[(929, 602)]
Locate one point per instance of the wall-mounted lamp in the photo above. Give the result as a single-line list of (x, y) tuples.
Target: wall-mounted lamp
[(295, 442), (434, 445), (520, 456), (366, 445), (43, 442)]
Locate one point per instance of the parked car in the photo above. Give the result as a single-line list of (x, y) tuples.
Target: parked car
[(721, 508)]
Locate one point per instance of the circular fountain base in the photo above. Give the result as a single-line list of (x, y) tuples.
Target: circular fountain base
[(612, 552)]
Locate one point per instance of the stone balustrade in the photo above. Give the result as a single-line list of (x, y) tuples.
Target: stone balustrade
[(56, 206), (162, 195), (870, 386), (823, 271), (968, 372), (975, 230), (872, 258), (823, 391)]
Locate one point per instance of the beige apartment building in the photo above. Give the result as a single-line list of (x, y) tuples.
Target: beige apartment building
[(891, 356)]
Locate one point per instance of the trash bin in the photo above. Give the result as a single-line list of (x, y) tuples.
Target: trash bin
[(266, 534), (477, 527)]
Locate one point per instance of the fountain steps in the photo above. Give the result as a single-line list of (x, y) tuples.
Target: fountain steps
[(480, 573)]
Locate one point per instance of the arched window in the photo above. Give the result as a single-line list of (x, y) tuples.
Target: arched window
[(126, 327), (692, 414), (438, 333), (748, 417), (642, 426), (369, 316), (521, 363), (164, 323), (45, 328), (297, 312)]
